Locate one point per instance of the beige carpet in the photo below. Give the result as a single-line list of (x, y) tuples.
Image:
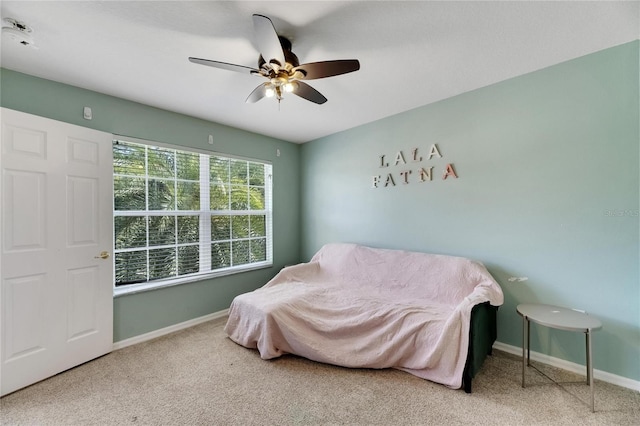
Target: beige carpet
[(199, 377)]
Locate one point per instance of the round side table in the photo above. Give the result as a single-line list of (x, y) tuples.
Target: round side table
[(560, 318)]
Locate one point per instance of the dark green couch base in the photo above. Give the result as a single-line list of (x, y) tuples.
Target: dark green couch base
[(483, 332)]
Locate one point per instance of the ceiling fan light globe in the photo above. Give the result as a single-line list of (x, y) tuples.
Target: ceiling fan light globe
[(288, 87), (269, 92)]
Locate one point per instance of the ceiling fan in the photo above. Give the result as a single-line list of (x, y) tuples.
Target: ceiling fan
[(280, 66)]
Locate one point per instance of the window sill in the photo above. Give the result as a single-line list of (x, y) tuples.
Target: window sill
[(149, 286)]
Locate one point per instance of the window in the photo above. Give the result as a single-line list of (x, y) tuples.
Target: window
[(180, 215)]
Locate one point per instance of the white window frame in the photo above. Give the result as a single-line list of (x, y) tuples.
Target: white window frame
[(205, 214)]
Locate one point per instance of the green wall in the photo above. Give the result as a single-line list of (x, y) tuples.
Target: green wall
[(547, 188), (144, 312)]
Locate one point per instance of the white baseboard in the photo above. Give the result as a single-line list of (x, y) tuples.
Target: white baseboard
[(515, 350), (161, 332), (571, 366)]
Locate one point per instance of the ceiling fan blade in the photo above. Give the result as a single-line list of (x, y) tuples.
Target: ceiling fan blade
[(307, 92), (224, 66), (257, 94), (267, 39), (324, 69)]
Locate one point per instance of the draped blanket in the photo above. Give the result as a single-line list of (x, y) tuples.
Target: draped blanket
[(356, 306)]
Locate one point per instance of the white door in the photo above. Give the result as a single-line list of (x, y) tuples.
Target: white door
[(56, 295)]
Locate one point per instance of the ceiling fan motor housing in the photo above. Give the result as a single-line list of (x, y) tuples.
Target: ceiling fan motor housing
[(289, 56)]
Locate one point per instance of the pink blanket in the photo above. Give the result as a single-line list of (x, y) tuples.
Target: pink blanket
[(356, 306)]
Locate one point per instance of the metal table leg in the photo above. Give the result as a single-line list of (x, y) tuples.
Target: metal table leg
[(525, 339), (528, 342), (590, 370)]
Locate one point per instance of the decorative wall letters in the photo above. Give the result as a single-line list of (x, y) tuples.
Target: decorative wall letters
[(422, 173)]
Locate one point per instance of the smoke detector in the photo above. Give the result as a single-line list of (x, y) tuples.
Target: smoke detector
[(17, 31)]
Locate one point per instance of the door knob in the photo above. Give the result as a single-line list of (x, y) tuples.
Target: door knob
[(103, 255)]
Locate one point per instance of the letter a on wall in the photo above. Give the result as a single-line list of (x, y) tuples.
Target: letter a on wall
[(449, 172)]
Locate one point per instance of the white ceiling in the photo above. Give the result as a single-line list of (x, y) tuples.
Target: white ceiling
[(411, 53)]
